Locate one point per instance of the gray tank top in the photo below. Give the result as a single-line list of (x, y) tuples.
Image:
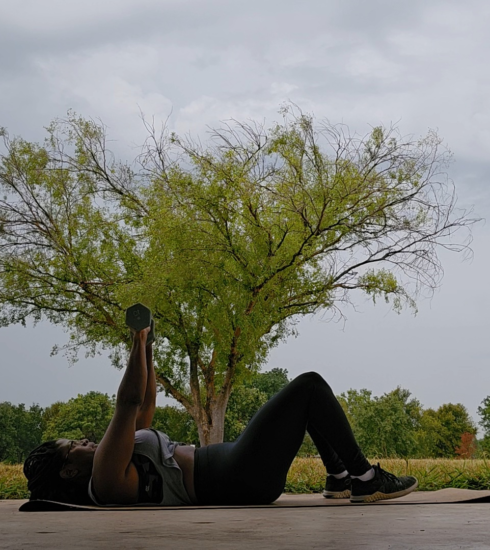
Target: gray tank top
[(159, 449)]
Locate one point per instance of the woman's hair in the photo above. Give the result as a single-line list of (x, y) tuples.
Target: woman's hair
[(42, 469)]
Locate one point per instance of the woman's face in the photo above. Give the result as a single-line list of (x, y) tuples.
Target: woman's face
[(78, 457)]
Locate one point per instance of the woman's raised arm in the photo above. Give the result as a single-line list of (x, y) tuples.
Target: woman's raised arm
[(147, 409), (114, 477)]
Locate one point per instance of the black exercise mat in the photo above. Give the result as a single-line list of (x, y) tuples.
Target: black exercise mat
[(444, 496)]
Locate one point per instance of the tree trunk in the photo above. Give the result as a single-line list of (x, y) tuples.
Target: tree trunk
[(210, 415), (212, 430), (209, 418)]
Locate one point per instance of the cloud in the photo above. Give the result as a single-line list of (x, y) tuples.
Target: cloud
[(421, 64), (362, 62)]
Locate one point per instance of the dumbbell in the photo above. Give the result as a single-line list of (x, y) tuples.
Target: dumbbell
[(139, 317)]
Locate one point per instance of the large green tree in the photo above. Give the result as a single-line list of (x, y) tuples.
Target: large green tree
[(229, 243)]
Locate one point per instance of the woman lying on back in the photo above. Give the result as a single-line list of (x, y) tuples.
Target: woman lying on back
[(135, 465)]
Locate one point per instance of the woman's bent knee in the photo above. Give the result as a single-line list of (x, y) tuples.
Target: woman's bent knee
[(312, 380), (311, 377)]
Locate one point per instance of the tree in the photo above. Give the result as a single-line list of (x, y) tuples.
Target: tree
[(483, 447), (468, 446), (270, 382), (401, 421), (84, 416), (455, 421), (442, 429), (384, 426), (229, 244), (429, 436), (20, 431), (484, 413), (359, 409)]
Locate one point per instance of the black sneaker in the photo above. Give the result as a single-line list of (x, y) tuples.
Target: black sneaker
[(337, 488), (383, 486)]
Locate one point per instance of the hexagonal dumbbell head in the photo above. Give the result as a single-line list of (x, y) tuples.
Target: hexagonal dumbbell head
[(138, 317)]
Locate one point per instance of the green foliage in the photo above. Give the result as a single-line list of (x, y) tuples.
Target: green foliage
[(308, 448), (20, 431), (483, 447), (384, 426), (484, 413), (84, 416), (177, 423), (228, 243), (455, 421), (270, 382), (394, 425), (441, 430), (429, 435)]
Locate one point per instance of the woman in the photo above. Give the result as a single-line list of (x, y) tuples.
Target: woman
[(135, 465)]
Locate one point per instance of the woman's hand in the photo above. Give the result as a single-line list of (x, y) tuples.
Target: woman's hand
[(141, 335)]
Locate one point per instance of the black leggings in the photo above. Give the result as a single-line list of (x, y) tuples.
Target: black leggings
[(253, 469)]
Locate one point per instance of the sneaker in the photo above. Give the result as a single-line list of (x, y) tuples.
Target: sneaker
[(383, 486), (337, 488)]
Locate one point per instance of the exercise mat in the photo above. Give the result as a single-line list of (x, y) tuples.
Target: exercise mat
[(444, 496)]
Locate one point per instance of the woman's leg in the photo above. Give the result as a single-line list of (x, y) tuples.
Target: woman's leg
[(254, 468)]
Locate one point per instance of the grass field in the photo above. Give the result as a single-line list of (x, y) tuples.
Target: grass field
[(307, 475), (13, 484)]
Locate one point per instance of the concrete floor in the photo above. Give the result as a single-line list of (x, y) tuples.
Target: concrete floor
[(431, 526)]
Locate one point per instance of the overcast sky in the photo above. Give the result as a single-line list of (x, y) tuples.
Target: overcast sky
[(420, 64)]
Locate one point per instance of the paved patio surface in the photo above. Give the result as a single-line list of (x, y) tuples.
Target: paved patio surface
[(415, 526)]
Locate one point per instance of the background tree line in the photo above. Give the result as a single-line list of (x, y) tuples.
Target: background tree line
[(392, 425)]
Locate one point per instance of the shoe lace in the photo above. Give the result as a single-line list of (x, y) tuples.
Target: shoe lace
[(387, 475)]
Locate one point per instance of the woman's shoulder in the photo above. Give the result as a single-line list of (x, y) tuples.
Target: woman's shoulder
[(152, 437), (154, 443)]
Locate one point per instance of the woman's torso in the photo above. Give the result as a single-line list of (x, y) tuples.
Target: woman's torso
[(165, 470)]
